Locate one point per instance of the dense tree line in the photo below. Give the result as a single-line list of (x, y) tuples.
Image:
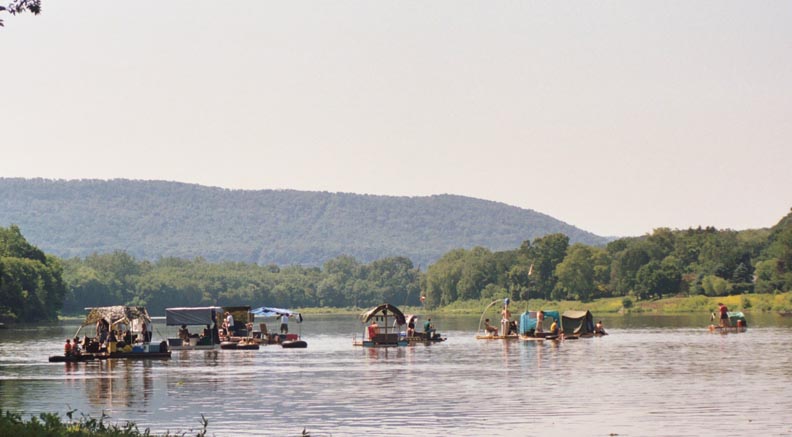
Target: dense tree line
[(31, 283), (117, 277), (702, 261)]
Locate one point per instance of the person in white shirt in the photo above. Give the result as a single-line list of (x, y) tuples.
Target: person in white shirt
[(229, 322), (284, 328)]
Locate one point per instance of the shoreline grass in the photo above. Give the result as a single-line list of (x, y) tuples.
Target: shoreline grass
[(767, 302), (759, 302)]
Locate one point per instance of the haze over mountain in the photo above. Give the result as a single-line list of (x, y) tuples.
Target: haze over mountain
[(153, 219)]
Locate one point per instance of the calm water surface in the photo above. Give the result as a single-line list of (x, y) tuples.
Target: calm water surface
[(658, 376)]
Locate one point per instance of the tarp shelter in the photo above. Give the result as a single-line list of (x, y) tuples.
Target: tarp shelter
[(115, 315), (382, 311), (528, 320), (735, 316), (192, 315), (577, 322), (276, 312)]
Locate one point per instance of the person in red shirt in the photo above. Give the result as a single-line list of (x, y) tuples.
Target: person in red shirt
[(67, 348), (724, 315), (373, 329)]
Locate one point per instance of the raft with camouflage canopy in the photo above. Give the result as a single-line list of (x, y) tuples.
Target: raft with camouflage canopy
[(134, 318)]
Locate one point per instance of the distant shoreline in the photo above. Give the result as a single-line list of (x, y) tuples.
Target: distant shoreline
[(762, 302)]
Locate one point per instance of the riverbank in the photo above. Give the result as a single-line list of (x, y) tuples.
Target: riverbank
[(625, 305), (768, 302)]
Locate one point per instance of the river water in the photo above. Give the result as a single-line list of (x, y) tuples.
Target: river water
[(653, 376)]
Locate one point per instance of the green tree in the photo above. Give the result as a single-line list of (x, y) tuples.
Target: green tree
[(548, 252), (576, 274), (715, 286), (31, 283), (625, 268)]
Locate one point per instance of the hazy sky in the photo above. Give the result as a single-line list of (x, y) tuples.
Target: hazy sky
[(616, 117)]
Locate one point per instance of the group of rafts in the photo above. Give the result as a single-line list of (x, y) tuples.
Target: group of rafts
[(236, 329), (538, 325), (136, 321)]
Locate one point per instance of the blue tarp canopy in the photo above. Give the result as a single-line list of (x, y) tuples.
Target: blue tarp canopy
[(276, 312), (528, 319)]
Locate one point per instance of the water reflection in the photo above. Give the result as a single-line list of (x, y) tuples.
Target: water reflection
[(116, 383), (643, 380)]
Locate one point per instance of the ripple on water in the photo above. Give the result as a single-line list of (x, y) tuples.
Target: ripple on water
[(642, 381)]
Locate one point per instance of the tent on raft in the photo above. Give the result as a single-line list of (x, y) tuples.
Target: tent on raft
[(577, 323)]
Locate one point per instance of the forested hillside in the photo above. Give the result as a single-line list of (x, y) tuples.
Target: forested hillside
[(702, 261), (153, 219)]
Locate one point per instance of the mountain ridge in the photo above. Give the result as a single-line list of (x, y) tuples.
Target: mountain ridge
[(155, 218)]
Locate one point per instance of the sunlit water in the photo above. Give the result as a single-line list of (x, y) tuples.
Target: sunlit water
[(652, 376)]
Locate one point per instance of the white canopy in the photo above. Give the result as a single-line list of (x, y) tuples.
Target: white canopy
[(191, 315)]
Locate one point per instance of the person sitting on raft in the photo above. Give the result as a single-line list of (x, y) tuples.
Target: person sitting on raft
[(491, 330), (513, 327), (184, 334), (554, 328), (429, 329)]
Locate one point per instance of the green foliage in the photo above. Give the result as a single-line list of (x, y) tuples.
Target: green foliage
[(31, 283), (343, 282), (664, 263), (701, 261), (153, 219), (627, 303), (547, 252), (576, 273), (715, 286), (50, 424)]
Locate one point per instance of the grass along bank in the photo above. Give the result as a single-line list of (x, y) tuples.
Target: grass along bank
[(624, 305), (615, 305)]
